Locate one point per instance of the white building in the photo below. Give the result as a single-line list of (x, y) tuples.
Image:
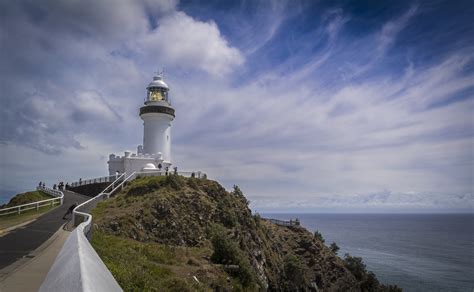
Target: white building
[(157, 115)]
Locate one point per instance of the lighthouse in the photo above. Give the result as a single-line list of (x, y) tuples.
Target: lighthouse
[(157, 115), (155, 152)]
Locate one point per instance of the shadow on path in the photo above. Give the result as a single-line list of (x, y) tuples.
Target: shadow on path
[(22, 241)]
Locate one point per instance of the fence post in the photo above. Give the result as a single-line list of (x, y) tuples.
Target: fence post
[(37, 206), (19, 210)]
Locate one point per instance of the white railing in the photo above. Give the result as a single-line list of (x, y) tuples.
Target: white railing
[(91, 203), (58, 199), (78, 267), (102, 179)]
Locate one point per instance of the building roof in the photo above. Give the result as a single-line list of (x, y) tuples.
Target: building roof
[(158, 82)]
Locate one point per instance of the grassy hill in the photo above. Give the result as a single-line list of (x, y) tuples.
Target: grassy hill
[(28, 197), (188, 234)]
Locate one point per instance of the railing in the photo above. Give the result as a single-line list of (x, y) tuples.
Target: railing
[(89, 181), (295, 222), (78, 267), (91, 203), (59, 197), (197, 174)]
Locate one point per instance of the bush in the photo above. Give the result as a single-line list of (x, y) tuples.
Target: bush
[(226, 213), (318, 236), (227, 252), (356, 266), (334, 248), (295, 273), (257, 218), (174, 181), (367, 279)]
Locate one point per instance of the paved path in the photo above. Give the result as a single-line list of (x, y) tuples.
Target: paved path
[(27, 274), (20, 242)]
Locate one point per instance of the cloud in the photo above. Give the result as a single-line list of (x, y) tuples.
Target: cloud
[(179, 40)]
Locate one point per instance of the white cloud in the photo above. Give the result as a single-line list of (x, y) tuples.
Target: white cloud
[(179, 40)]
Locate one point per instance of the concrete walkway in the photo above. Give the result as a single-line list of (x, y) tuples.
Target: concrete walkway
[(28, 273), (21, 242)]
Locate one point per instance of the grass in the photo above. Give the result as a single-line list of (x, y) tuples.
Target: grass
[(11, 220), (25, 198), (139, 266)]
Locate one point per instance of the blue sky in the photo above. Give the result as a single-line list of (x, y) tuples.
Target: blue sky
[(309, 106)]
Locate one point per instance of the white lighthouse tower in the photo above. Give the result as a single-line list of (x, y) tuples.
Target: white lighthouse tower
[(157, 115)]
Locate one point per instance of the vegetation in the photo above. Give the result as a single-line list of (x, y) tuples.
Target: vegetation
[(295, 273), (318, 236), (25, 198), (367, 280), (334, 248), (141, 266), (228, 253)]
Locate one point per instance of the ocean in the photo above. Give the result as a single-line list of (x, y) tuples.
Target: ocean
[(4, 198), (418, 252)]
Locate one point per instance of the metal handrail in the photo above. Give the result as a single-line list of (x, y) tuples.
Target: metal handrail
[(86, 225), (93, 180), (58, 194)]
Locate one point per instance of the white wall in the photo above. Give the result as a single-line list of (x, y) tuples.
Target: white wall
[(157, 134)]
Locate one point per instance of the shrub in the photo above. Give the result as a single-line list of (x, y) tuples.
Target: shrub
[(356, 266), (318, 236), (257, 218), (295, 273), (367, 280), (227, 252), (174, 181), (334, 248)]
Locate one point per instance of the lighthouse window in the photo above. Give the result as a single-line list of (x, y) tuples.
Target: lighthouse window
[(155, 95)]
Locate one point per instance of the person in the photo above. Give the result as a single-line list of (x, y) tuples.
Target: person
[(69, 211), (44, 185), (39, 185), (54, 186), (80, 181), (67, 185)]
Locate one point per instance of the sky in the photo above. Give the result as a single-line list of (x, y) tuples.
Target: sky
[(307, 106)]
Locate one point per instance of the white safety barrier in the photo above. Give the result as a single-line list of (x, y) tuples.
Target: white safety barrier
[(79, 268), (59, 197)]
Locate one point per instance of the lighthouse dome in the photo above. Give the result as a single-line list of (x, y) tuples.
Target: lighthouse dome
[(149, 166), (158, 83)]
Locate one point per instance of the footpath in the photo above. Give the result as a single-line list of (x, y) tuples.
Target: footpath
[(28, 252)]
